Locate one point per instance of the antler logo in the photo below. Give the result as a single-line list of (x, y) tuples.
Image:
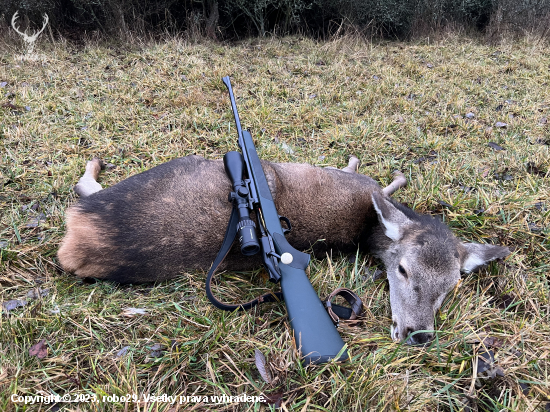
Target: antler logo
[(30, 40)]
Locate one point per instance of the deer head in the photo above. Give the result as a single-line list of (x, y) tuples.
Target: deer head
[(423, 261), (29, 39)]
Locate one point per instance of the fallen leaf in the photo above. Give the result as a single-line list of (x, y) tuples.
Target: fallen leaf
[(534, 170), (287, 148), (475, 338), (3, 84), (36, 293), (131, 312), (501, 124), (261, 364), (274, 399), (525, 387), (13, 304), (490, 341), (122, 352), (495, 146), (432, 155), (40, 350), (373, 274), (543, 120), (499, 108), (469, 404), (486, 367), (430, 66), (56, 407), (505, 300), (11, 106), (156, 350), (485, 171), (484, 361), (470, 115), (36, 309), (35, 220), (503, 176)]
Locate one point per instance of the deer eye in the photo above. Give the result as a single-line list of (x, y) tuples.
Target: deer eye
[(402, 271)]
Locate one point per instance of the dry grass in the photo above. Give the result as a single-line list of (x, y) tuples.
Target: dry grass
[(394, 105)]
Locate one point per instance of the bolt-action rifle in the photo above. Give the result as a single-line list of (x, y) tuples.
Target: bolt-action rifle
[(314, 332)]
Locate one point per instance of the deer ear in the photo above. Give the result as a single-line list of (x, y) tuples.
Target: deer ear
[(476, 255), (391, 218)]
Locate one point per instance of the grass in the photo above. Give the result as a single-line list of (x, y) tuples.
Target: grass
[(394, 105)]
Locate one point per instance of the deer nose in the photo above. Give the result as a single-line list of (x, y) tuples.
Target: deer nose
[(420, 338)]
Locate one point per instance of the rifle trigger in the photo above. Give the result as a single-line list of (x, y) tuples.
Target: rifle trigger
[(289, 226)]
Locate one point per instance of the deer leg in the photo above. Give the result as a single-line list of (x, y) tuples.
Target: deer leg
[(399, 180), (353, 165), (87, 184)]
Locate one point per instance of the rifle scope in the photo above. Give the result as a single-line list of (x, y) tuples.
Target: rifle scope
[(246, 229)]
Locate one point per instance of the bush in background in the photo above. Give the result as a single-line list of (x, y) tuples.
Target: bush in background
[(511, 17), (320, 18)]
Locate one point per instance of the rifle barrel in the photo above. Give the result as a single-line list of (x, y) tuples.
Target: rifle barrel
[(227, 82)]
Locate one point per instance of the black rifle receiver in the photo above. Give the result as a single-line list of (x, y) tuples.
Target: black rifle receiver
[(314, 332)]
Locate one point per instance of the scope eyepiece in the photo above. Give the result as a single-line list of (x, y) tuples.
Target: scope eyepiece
[(246, 231)]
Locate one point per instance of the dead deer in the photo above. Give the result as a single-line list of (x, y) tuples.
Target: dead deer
[(172, 218)]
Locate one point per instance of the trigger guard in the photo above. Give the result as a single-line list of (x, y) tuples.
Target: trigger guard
[(287, 221)]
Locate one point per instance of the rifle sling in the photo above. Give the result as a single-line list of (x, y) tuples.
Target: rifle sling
[(228, 240), (336, 312)]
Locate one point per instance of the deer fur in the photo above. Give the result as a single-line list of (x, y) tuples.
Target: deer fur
[(172, 218)]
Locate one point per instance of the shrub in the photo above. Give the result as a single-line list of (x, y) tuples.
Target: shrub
[(237, 18)]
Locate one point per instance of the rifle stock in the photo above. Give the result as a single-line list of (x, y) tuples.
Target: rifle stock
[(315, 335)]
